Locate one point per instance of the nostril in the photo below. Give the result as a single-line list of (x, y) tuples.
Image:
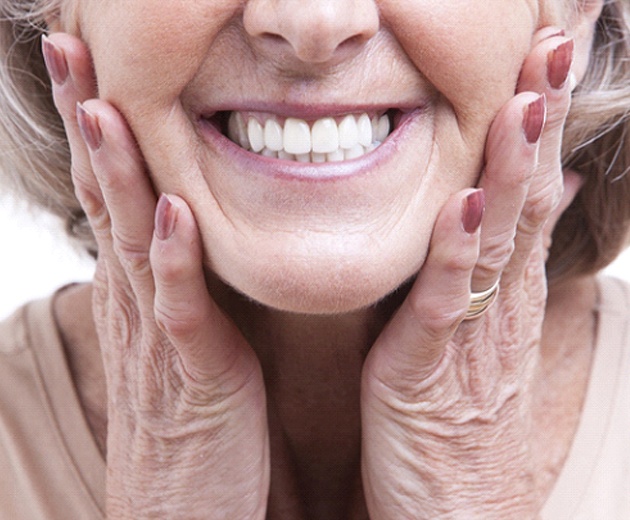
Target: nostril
[(313, 31), (274, 38)]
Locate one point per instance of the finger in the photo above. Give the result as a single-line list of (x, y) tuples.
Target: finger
[(69, 65), (127, 191), (209, 344), (412, 344), (511, 155), (70, 68), (547, 70)]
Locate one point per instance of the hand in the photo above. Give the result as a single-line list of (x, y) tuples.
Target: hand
[(446, 403), (187, 424)]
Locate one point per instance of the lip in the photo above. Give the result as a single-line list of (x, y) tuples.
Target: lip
[(313, 172)]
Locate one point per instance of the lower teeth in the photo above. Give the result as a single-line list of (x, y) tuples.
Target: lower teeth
[(312, 157)]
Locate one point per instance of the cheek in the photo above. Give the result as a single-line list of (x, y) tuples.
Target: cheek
[(470, 51), (146, 52)]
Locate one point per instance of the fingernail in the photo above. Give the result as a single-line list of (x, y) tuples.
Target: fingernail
[(90, 128), (165, 218), (55, 61), (472, 211), (559, 64), (534, 119)]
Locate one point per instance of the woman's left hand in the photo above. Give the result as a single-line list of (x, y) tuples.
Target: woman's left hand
[(446, 403)]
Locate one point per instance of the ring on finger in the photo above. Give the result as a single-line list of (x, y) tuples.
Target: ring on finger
[(480, 302)]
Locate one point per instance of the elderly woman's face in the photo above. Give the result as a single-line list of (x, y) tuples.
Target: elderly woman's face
[(198, 79)]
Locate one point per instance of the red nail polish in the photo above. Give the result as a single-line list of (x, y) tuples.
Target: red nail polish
[(90, 128), (55, 61), (534, 119), (559, 64), (165, 218), (472, 211)]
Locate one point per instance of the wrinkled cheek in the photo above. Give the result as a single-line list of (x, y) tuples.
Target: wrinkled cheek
[(146, 52), (470, 51)]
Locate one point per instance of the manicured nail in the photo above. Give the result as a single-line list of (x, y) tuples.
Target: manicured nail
[(90, 128), (534, 119), (559, 64), (55, 61), (165, 218), (472, 211)]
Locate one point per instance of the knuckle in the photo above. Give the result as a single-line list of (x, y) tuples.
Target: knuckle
[(539, 206), (123, 316), (97, 214), (438, 319), (496, 254), (133, 257), (459, 263), (177, 321), (171, 269)]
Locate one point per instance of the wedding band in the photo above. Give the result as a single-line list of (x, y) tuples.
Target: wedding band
[(480, 302)]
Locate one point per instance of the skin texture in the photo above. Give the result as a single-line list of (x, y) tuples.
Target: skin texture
[(366, 235), (223, 407)]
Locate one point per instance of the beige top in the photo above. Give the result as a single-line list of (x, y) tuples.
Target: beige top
[(50, 467)]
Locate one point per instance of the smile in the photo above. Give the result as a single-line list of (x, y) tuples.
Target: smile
[(328, 139)]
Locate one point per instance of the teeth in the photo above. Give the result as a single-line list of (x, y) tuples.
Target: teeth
[(238, 131), (297, 136), (255, 135), (364, 127), (348, 133), (273, 135), (325, 135), (325, 141), (335, 156), (382, 129)]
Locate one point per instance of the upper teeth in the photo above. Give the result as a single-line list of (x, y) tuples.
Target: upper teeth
[(325, 140)]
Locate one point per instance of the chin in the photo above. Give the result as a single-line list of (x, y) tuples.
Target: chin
[(319, 286)]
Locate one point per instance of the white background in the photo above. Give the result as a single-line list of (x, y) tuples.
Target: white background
[(35, 257)]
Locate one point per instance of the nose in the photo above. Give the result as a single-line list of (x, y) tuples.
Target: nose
[(313, 31)]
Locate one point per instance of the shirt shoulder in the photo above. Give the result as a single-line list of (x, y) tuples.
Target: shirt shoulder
[(49, 465)]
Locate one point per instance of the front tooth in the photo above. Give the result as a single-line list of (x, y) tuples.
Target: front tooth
[(318, 157), (364, 126), (325, 135), (273, 135), (297, 136), (348, 132), (255, 135)]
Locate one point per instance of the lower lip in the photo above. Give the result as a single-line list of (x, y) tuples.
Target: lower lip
[(320, 172)]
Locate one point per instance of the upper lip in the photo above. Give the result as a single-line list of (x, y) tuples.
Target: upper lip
[(306, 112)]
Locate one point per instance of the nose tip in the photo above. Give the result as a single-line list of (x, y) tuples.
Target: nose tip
[(312, 31)]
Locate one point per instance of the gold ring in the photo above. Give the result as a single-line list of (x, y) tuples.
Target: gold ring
[(480, 302)]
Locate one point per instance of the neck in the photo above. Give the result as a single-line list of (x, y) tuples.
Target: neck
[(312, 366)]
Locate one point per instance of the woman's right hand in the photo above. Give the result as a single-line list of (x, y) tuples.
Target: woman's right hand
[(187, 424)]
